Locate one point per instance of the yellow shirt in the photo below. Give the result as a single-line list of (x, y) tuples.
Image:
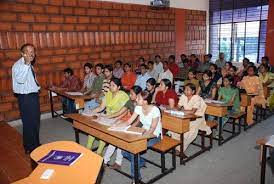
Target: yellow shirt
[(115, 103)]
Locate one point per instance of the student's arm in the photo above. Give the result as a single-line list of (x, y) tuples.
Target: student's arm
[(231, 101), (136, 122), (198, 91), (121, 113), (213, 94), (101, 107), (192, 111), (152, 126)]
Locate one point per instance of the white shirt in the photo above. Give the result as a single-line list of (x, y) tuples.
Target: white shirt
[(23, 81), (153, 73), (159, 68), (166, 75), (146, 120), (141, 80)]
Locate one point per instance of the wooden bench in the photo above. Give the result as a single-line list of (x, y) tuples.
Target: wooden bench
[(213, 126), (166, 145), (238, 116)]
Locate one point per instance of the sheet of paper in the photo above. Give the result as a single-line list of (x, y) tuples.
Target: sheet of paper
[(105, 121), (214, 101), (75, 93)]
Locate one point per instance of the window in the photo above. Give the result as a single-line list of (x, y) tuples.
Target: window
[(238, 29)]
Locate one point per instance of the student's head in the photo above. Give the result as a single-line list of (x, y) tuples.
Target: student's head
[(228, 65), (165, 84), (207, 75), (224, 72), (127, 67), (165, 65), (141, 60), (191, 74), (115, 85), (246, 62), (213, 68), (183, 57), (150, 84), (28, 52), (193, 57), (108, 71), (99, 68), (210, 56), (68, 72), (150, 65), (88, 68), (118, 64), (144, 98), (206, 58), (263, 68), (221, 55), (157, 58), (190, 89), (265, 60), (171, 59), (143, 69), (251, 70), (134, 91), (228, 81), (232, 71)]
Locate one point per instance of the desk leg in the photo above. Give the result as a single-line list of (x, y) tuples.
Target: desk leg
[(220, 130), (263, 165), (76, 131), (51, 104), (136, 169), (182, 149)]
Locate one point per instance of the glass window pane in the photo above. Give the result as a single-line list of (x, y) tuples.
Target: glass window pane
[(251, 40), (239, 15), (214, 41), (215, 17), (263, 27), (226, 16), (253, 13), (225, 40), (264, 12), (261, 51), (238, 41)]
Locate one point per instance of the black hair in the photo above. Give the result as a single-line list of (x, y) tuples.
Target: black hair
[(246, 59), (143, 65), (209, 55), (142, 58), (265, 66), (192, 71), (26, 45), (230, 64), (165, 62), (151, 81), (266, 58), (100, 65), (119, 61), (230, 78), (172, 57), (127, 64), (109, 68), (146, 96), (157, 56), (234, 68), (193, 55), (182, 55), (214, 65), (167, 83), (191, 86), (254, 68), (208, 73), (89, 65), (150, 62), (116, 81), (136, 89), (69, 71)]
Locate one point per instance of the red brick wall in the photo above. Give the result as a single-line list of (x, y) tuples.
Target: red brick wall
[(72, 32), (270, 33)]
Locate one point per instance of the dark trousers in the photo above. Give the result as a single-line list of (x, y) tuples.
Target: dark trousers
[(30, 114)]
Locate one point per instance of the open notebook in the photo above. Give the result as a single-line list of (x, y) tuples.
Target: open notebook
[(127, 129)]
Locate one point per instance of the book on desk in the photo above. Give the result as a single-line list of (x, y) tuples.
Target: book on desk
[(127, 129), (59, 157)]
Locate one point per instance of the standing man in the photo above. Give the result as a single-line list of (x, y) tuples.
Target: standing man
[(26, 88)]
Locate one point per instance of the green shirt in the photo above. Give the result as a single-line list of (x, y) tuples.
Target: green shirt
[(97, 84), (130, 106), (226, 95)]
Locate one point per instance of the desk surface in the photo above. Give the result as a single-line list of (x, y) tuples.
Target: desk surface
[(84, 171), (263, 140), (63, 93), (218, 110)]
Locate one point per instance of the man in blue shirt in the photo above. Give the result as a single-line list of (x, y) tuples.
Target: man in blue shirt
[(143, 77), (26, 88)]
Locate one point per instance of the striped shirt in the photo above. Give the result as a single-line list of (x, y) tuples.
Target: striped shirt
[(88, 80), (105, 86), (23, 81)]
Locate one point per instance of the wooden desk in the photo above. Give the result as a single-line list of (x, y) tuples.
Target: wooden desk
[(178, 125), (78, 100), (219, 111), (134, 144), (84, 171), (264, 147)]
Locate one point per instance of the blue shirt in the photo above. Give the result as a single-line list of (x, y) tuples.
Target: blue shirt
[(23, 81), (142, 80)]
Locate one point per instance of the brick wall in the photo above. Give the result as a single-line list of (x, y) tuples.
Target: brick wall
[(70, 33), (270, 33)]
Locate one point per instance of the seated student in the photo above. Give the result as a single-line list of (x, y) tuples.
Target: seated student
[(150, 86), (193, 62), (183, 67), (190, 103), (204, 65), (232, 71), (140, 62), (183, 62), (112, 102), (118, 70), (89, 77), (173, 67), (158, 65), (224, 73), (165, 95), (228, 65), (151, 71), (265, 76), (96, 88), (124, 114), (252, 85), (129, 77), (143, 77), (192, 79), (265, 61), (221, 61), (230, 95), (150, 118), (107, 78), (72, 84), (166, 74), (215, 74), (242, 71), (207, 88)]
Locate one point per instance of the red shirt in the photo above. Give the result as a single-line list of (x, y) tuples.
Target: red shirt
[(162, 99), (174, 68), (128, 80), (72, 83)]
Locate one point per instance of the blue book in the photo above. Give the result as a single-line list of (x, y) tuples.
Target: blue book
[(60, 157)]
